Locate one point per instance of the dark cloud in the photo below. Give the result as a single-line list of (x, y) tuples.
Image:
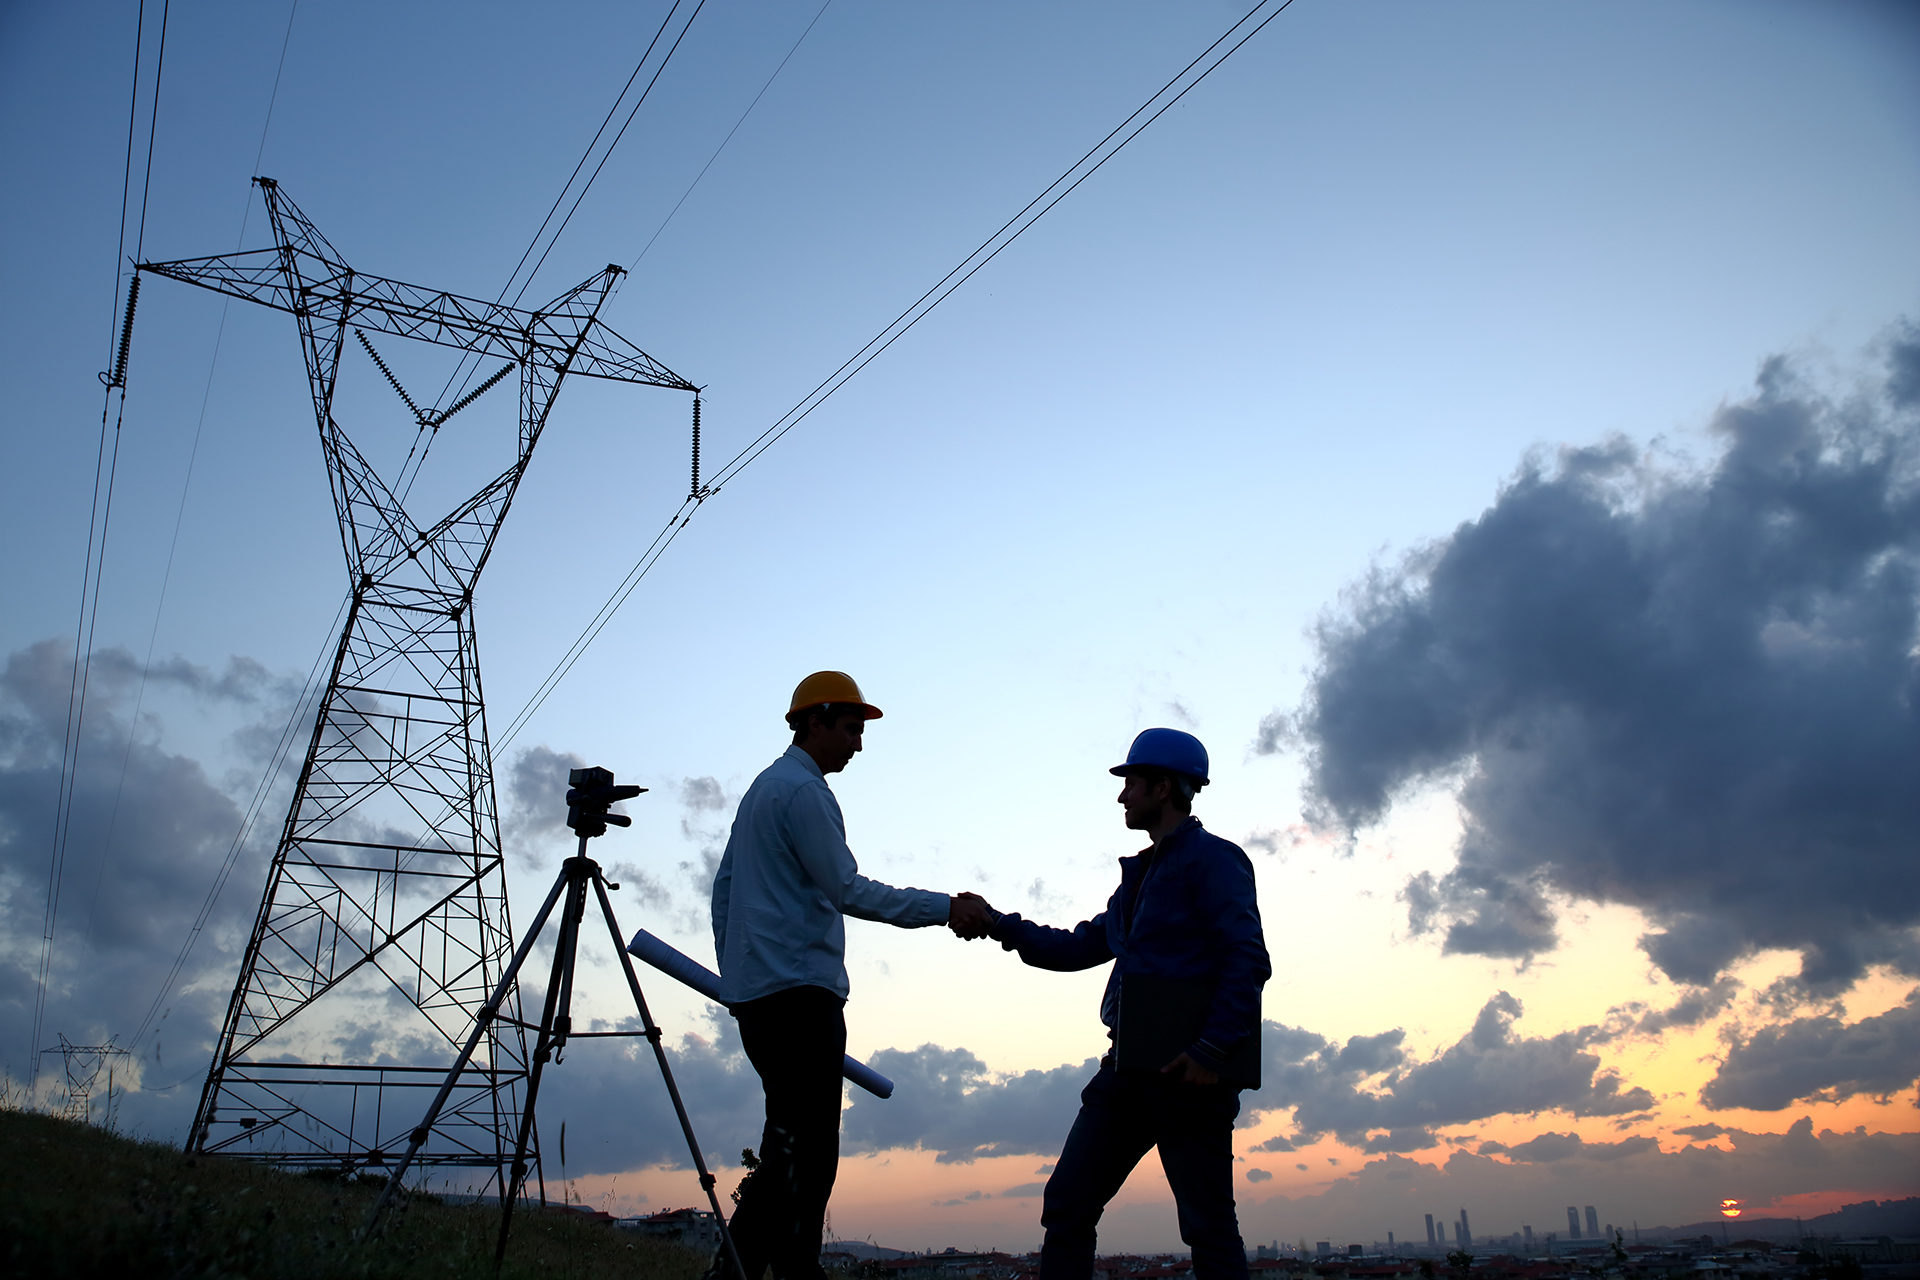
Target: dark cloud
[(1258, 1175), (1370, 1095), (1692, 694), (1548, 1147), (1820, 1059), (1025, 1191), (619, 1116), (1694, 1007), (533, 823), (1701, 1132), (148, 837), (945, 1100)]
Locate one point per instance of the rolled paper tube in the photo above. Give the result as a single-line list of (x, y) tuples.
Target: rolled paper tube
[(685, 969)]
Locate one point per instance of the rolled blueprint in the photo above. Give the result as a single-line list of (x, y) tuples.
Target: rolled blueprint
[(685, 969)]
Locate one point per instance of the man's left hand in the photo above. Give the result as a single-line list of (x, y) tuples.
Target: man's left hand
[(1187, 1071)]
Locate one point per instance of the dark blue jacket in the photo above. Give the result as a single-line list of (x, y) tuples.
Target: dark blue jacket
[(1186, 910)]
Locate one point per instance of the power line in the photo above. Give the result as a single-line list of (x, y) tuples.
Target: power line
[(729, 138), (180, 511), (469, 364), (989, 249), (99, 517)]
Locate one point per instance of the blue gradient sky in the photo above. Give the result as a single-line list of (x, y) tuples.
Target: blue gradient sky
[(1308, 322)]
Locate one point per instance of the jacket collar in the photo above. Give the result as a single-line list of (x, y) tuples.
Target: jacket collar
[(1165, 842)]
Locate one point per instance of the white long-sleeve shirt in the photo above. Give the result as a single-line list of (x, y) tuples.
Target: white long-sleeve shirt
[(788, 880)]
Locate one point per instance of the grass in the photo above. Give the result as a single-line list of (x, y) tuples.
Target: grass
[(80, 1201)]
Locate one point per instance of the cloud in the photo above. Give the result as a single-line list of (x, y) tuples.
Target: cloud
[(1695, 694), (1258, 1175), (946, 1101), (535, 819), (1489, 1071), (1820, 1059), (1025, 1191), (1545, 1148), (126, 904), (621, 1116), (1701, 1132)]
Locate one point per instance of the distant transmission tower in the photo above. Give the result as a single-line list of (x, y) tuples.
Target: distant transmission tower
[(384, 923), (84, 1063)]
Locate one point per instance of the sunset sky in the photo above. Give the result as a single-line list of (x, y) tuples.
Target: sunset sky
[(1493, 428)]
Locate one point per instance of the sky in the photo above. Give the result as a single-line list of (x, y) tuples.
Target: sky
[(1491, 428)]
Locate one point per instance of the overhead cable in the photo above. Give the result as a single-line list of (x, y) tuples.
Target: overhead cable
[(1082, 169), (1015, 227), (469, 365), (186, 486), (729, 138), (99, 519)]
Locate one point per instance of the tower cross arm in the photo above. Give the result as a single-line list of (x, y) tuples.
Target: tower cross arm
[(567, 337)]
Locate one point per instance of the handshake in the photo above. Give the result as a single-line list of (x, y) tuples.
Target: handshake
[(970, 917)]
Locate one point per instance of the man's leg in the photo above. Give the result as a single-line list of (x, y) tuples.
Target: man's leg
[(1195, 1134), (795, 1039), (814, 1105), (1106, 1142)]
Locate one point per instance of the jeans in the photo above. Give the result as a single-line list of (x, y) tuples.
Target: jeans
[(795, 1040), (1122, 1116)]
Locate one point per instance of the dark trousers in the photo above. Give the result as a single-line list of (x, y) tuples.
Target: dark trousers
[(1122, 1116), (795, 1040)]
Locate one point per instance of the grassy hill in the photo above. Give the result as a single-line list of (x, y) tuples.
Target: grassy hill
[(78, 1201)]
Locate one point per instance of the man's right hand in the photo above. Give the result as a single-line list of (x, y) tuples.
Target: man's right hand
[(969, 916)]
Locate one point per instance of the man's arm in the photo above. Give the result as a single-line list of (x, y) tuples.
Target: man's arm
[(1062, 950), (820, 841), (722, 901)]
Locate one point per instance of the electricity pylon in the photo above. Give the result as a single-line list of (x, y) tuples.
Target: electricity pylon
[(384, 924)]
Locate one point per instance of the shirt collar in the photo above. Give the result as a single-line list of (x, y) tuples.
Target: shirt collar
[(806, 761)]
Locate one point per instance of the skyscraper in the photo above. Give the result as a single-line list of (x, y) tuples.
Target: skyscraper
[(1466, 1232), (1593, 1223), (1528, 1233), (1431, 1242), (1573, 1223)]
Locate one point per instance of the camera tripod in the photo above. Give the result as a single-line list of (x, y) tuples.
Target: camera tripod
[(593, 791)]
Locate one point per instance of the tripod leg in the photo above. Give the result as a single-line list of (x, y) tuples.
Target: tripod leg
[(552, 1016), (666, 1073), (488, 1012)]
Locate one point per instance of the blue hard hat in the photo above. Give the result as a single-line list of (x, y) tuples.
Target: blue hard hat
[(1168, 749)]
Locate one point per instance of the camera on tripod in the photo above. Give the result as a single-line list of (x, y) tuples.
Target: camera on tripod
[(591, 791)]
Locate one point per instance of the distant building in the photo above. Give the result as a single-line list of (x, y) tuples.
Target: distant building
[(693, 1229), (1466, 1232), (1573, 1223), (1593, 1222), (1431, 1242), (1528, 1233), (1324, 1248)]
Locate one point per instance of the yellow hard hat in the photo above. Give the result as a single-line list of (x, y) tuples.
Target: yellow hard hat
[(823, 687)]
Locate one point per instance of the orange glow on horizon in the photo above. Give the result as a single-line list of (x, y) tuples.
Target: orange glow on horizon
[(1729, 1208)]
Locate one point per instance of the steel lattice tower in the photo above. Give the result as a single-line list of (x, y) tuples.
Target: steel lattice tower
[(386, 899)]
